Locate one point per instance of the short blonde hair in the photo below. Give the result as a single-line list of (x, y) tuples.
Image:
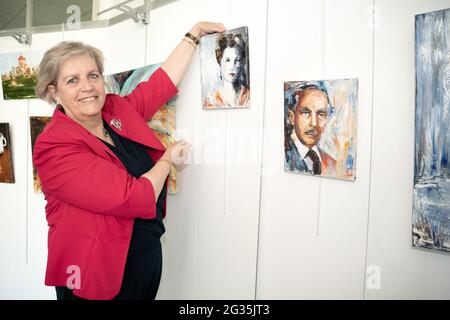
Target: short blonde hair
[(50, 64)]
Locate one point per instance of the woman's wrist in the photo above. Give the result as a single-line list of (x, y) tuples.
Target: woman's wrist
[(164, 159), (193, 37), (196, 32)]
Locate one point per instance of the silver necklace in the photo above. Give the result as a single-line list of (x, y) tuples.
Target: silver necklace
[(107, 136), (105, 133)]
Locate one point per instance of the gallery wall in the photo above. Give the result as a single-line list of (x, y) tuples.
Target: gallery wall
[(313, 231), (211, 241), (240, 227), (406, 272)]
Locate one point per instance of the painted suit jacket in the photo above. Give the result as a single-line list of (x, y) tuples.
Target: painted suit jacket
[(294, 162)]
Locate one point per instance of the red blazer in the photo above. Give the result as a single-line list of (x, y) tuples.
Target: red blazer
[(92, 201)]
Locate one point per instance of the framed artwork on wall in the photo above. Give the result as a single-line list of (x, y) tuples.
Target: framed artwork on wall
[(225, 69), (162, 123), (19, 74), (37, 125), (431, 196), (320, 127)]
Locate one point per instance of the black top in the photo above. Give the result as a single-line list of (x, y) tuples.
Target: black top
[(137, 162)]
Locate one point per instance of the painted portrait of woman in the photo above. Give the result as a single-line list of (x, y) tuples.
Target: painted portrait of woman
[(225, 70)]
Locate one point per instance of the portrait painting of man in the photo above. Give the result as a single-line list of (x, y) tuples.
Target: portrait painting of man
[(320, 126)]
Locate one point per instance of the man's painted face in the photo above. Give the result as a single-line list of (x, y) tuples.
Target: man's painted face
[(311, 115), (230, 64)]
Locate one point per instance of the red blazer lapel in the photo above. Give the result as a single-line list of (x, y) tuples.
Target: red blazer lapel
[(131, 126), (138, 131), (92, 141)]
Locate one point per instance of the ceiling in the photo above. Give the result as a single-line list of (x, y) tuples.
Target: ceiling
[(45, 12)]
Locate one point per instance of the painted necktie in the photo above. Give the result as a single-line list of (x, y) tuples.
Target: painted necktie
[(317, 166)]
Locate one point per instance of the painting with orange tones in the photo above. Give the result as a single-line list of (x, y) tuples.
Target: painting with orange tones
[(320, 127), (162, 123), (6, 163), (225, 69), (37, 125)]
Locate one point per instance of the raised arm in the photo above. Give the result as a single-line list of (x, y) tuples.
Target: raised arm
[(178, 61)]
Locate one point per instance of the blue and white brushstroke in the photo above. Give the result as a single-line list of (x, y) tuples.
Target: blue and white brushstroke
[(431, 207)]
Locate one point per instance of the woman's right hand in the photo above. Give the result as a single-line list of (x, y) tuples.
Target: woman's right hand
[(202, 28), (177, 153)]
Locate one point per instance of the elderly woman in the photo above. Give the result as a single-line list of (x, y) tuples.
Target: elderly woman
[(104, 172), (231, 56)]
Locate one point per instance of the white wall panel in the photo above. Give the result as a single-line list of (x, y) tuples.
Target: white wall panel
[(210, 245), (313, 230), (406, 272), (23, 252)]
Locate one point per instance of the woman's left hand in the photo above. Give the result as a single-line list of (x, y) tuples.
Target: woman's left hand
[(202, 28)]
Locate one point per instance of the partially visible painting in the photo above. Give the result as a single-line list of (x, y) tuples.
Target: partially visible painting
[(19, 74), (37, 125), (431, 197), (225, 70), (6, 163), (162, 123), (320, 127)]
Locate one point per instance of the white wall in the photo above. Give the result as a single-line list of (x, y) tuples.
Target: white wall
[(407, 272), (313, 230), (210, 244), (318, 236), (22, 220), (240, 227)]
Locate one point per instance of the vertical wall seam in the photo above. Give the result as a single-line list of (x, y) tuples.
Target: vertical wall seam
[(146, 44), (370, 153), (27, 178), (319, 200), (29, 23), (258, 239), (225, 167)]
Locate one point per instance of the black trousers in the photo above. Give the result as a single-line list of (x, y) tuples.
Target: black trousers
[(141, 277)]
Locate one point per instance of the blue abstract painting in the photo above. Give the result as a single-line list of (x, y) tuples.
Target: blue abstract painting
[(431, 203)]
